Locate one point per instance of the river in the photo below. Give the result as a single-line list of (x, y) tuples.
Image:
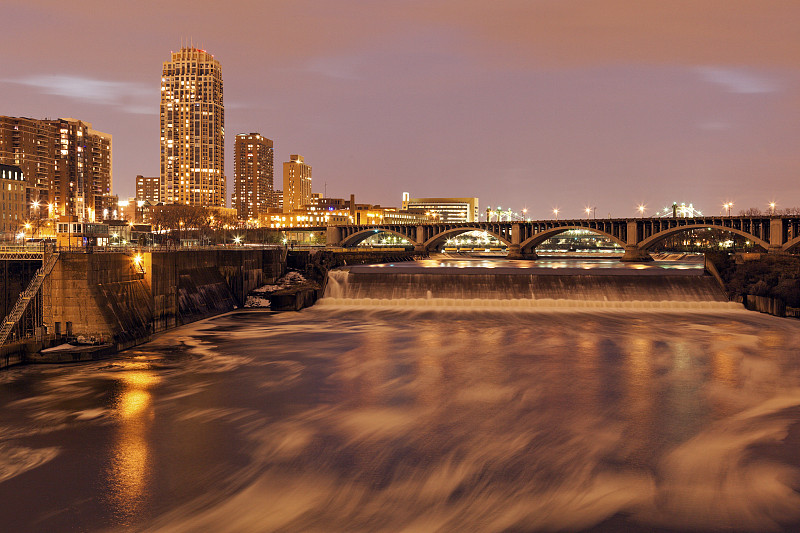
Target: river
[(415, 413)]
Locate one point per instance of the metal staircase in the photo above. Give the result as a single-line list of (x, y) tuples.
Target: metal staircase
[(25, 298)]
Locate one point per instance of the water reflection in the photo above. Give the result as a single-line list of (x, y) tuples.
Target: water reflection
[(130, 456)]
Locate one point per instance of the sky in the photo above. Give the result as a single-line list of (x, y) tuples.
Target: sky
[(536, 104)]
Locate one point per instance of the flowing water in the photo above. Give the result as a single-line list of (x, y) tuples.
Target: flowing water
[(401, 410)]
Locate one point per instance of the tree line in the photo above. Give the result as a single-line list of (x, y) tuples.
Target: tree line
[(755, 211)]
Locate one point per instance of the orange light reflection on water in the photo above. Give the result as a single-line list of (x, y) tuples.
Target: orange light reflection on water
[(129, 467)]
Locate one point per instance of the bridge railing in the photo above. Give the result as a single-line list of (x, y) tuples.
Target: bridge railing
[(128, 248)]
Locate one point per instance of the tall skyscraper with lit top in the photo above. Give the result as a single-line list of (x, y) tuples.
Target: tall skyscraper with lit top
[(192, 130)]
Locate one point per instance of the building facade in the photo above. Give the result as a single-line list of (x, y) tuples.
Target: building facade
[(444, 209), (253, 175), (14, 210), (69, 163), (31, 145), (296, 184), (192, 130), (148, 189), (82, 169)]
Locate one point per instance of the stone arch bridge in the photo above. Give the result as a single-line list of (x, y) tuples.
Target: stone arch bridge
[(635, 235)]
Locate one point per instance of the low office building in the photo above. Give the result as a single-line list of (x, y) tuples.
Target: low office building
[(335, 212), (79, 234), (444, 209)]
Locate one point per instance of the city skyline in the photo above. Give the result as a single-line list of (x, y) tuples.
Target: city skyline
[(533, 103)]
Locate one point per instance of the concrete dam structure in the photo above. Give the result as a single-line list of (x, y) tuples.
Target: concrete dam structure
[(122, 298), (534, 288)]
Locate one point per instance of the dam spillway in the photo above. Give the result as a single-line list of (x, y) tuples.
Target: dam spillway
[(525, 285)]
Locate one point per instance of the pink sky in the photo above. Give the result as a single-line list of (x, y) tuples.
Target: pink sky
[(534, 103)]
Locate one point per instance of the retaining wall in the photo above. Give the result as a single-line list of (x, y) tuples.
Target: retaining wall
[(105, 295)]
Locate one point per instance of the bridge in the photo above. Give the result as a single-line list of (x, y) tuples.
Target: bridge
[(774, 234)]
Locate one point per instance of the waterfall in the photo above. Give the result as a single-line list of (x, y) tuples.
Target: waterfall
[(478, 288)]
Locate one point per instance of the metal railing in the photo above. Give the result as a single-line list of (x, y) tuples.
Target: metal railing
[(25, 298), (29, 251), (37, 250)]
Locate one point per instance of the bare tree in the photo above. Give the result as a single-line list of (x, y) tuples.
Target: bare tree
[(751, 212)]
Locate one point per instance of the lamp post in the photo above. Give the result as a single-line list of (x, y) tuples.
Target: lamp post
[(35, 205), (728, 206), (772, 208), (555, 212), (641, 210)]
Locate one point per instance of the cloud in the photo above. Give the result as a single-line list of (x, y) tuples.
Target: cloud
[(738, 81), (135, 98)]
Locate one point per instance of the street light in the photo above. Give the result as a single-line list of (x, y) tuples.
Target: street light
[(772, 208), (35, 205), (641, 210), (728, 206), (555, 212)]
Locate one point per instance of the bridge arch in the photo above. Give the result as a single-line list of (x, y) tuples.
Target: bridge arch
[(652, 240), (531, 243), (790, 244), (359, 236), (439, 239)]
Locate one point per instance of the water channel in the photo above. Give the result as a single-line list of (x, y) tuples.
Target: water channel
[(416, 398)]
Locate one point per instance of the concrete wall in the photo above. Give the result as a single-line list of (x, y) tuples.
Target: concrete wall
[(100, 295), (106, 296)]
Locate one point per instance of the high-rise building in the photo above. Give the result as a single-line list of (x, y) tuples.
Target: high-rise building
[(66, 163), (30, 144), (82, 169), (252, 175), (192, 130), (296, 183), (148, 188)]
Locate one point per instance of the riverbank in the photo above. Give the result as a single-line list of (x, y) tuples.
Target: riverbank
[(768, 283)]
